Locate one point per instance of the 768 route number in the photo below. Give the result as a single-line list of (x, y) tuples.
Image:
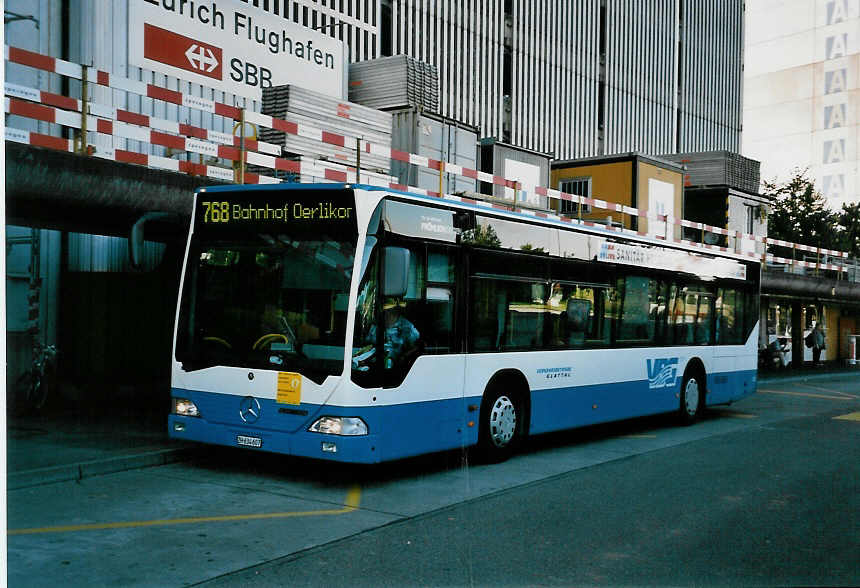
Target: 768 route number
[(216, 212)]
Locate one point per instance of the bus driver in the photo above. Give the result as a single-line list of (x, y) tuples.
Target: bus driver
[(400, 338)]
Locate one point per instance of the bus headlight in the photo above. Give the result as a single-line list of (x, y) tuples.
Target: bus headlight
[(339, 426), (184, 407)]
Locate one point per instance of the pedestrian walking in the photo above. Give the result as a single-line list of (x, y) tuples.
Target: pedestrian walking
[(817, 342)]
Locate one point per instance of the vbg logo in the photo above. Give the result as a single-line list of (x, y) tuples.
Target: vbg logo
[(662, 373)]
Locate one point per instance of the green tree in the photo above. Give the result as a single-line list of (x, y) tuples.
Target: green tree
[(849, 229), (531, 248), (800, 214), (482, 235)]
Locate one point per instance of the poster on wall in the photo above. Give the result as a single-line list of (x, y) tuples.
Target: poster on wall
[(528, 176), (661, 201), (233, 47)]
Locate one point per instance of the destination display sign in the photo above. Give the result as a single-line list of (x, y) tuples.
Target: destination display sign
[(275, 211)]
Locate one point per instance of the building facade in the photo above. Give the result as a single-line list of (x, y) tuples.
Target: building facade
[(574, 79), (571, 79), (801, 92)]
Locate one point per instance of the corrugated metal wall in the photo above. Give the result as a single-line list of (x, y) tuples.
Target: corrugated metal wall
[(654, 52), (577, 102), (554, 66), (555, 76), (671, 69), (99, 253), (465, 41), (360, 18), (710, 110), (641, 81)]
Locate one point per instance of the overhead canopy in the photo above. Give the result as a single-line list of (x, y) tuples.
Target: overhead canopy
[(57, 190), (775, 283)]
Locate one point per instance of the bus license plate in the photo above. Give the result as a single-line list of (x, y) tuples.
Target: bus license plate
[(248, 441)]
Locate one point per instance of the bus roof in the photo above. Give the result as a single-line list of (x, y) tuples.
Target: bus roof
[(499, 209)]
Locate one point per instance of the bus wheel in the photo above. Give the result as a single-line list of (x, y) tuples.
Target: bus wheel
[(501, 426), (692, 397)]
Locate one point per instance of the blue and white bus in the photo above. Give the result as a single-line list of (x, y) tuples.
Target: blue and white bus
[(361, 324)]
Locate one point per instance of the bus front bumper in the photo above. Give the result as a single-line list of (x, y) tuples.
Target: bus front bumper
[(352, 449)]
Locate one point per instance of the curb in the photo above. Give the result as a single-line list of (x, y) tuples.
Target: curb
[(89, 469), (810, 376)]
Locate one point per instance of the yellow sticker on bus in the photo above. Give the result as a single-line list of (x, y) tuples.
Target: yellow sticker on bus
[(289, 388)]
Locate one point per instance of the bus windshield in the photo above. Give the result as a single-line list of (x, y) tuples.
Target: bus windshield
[(276, 303)]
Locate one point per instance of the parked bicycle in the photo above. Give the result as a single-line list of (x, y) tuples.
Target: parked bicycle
[(36, 385)]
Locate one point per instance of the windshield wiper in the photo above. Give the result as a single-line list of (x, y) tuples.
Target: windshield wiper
[(190, 366), (195, 362)]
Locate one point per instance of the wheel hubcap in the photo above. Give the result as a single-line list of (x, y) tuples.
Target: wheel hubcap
[(691, 397), (503, 421)]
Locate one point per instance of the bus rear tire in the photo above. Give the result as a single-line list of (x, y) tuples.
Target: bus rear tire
[(502, 425), (692, 397)]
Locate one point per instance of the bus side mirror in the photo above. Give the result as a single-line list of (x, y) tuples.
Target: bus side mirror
[(135, 239), (396, 272)]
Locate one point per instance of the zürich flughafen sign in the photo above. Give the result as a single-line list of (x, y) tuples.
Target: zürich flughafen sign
[(232, 46)]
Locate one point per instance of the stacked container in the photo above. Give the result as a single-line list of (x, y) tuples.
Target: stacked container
[(436, 137), (719, 168), (395, 82), (528, 167), (327, 114)]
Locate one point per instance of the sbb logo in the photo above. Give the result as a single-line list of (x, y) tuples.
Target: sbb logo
[(248, 73)]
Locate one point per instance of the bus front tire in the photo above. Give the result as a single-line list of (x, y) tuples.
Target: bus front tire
[(502, 426), (692, 397)]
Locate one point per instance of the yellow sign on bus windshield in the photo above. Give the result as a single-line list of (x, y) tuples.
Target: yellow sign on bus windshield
[(289, 388)]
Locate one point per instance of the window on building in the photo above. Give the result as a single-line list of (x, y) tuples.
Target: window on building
[(580, 187), (749, 221)]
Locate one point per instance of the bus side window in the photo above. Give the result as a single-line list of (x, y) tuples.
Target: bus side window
[(429, 301), (637, 320), (723, 315), (576, 317), (661, 310), (406, 318), (691, 311), (525, 312), (484, 328), (704, 319), (439, 309), (567, 319), (681, 327), (364, 343), (507, 314)]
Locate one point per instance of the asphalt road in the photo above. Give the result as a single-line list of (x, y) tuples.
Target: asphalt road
[(761, 493)]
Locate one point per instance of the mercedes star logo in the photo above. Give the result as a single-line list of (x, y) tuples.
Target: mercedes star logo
[(249, 409)]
